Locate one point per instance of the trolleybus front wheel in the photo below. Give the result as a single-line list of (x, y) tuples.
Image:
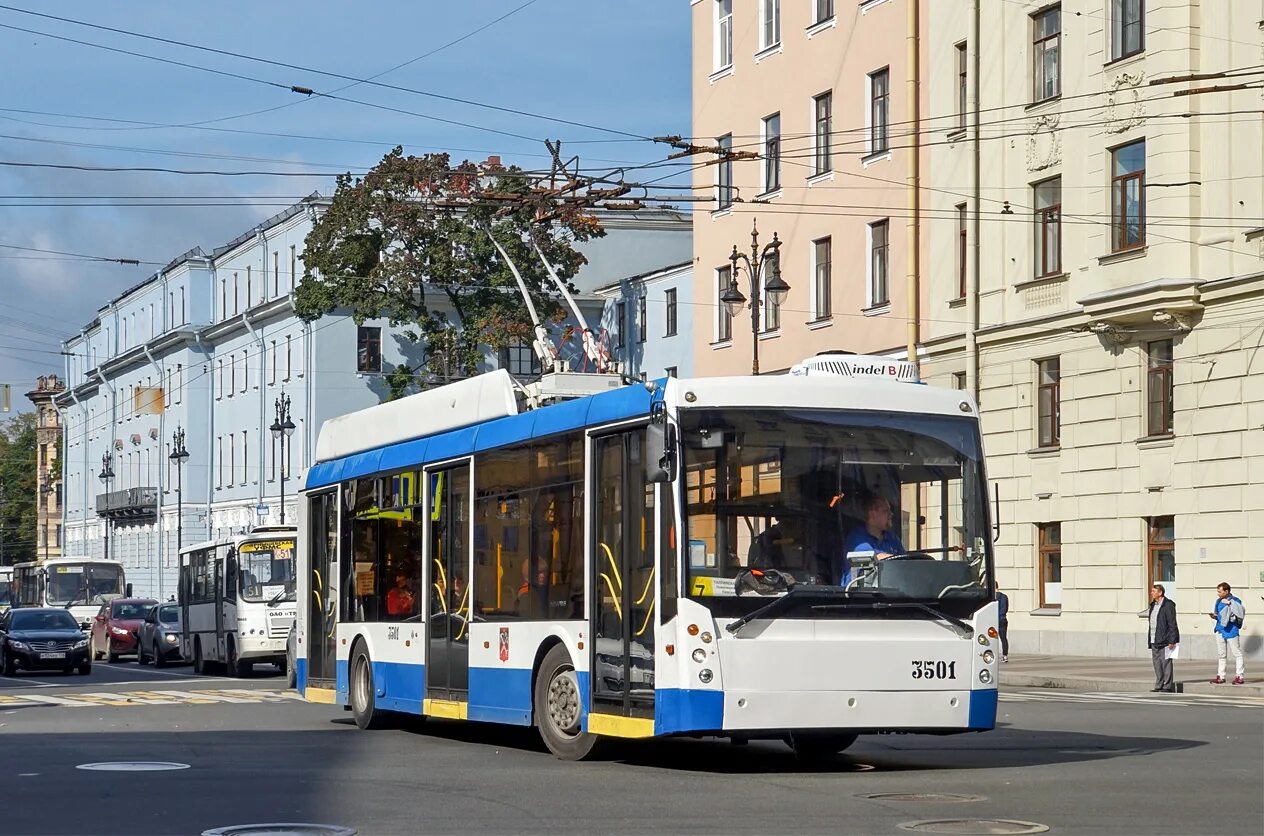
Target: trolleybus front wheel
[(813, 746), (363, 693), (558, 706)]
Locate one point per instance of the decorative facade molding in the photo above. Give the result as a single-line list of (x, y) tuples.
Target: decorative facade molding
[(1125, 109), (1044, 145)]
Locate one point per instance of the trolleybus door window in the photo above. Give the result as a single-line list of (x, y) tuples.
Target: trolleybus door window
[(623, 573), (322, 602), (448, 646)]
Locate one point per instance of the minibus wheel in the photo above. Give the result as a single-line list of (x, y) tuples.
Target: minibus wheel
[(558, 707), (363, 699)]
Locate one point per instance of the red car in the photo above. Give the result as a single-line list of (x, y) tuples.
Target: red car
[(115, 627)]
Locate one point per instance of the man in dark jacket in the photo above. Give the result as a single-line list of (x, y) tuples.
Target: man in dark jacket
[(1164, 636)]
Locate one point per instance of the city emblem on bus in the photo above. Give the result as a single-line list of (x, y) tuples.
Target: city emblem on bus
[(504, 644)]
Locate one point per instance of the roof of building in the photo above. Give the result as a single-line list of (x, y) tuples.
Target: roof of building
[(658, 271)]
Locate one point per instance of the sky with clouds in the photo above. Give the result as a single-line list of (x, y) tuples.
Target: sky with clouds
[(622, 66)]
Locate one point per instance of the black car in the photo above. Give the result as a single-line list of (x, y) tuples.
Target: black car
[(42, 638)]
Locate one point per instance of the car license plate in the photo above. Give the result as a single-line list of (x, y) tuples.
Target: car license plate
[(52, 655)]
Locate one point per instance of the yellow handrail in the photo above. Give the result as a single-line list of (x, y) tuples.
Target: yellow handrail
[(646, 622), (613, 595), (645, 592)]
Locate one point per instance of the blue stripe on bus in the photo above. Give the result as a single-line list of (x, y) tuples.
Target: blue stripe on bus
[(682, 709), (616, 405), (300, 675), (500, 695), (342, 677), (401, 686), (982, 709)]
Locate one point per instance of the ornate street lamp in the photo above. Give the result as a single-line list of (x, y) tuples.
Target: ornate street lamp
[(774, 286), (179, 455), (282, 428), (107, 476)]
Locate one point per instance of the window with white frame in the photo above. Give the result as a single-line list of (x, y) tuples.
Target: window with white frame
[(293, 266), (1127, 28), (179, 383), (249, 291), (620, 323), (672, 313), (642, 324), (723, 319), (273, 377), (769, 23), (821, 278), (824, 11), (963, 84), (724, 174), (245, 371), (772, 152), (276, 273), (823, 119), (723, 34), (879, 284), (879, 110), (288, 357), (1048, 227), (769, 306), (245, 457), (1046, 49)]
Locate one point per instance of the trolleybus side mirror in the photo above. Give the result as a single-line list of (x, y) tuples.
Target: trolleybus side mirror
[(660, 452), (128, 590)]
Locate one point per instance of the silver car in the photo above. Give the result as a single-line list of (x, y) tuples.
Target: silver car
[(158, 638)]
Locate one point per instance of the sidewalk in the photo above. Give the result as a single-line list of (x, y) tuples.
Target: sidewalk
[(1095, 673)]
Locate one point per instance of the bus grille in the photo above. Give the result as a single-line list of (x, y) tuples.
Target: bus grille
[(279, 628)]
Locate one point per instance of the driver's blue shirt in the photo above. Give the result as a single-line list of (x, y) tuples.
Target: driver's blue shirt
[(860, 540)]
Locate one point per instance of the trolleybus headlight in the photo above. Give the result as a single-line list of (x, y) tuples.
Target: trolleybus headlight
[(985, 676), (699, 655), (705, 675), (988, 657), (706, 638), (983, 639)]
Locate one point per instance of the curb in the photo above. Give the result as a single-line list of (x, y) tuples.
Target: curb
[(1082, 683)]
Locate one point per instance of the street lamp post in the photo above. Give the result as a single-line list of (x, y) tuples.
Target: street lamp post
[(107, 475), (179, 455), (775, 286), (44, 490), (282, 428)]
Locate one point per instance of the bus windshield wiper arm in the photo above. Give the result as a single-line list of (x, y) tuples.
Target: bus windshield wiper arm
[(785, 602), (966, 629)]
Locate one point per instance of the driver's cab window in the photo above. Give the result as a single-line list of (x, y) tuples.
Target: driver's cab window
[(230, 576)]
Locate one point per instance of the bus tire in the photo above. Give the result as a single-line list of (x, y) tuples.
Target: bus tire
[(199, 664), (239, 668), (363, 692), (815, 746), (558, 706)]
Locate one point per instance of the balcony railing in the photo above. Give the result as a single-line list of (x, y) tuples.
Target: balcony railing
[(128, 504)]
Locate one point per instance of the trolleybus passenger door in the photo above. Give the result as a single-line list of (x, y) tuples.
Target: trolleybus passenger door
[(623, 576), (450, 605), (322, 603)]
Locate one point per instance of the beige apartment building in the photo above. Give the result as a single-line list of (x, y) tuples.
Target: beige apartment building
[(1091, 240), (811, 99)]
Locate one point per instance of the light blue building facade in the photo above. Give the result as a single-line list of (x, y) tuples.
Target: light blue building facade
[(208, 345)]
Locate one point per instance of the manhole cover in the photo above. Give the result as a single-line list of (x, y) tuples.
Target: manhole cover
[(281, 829), (941, 797), (132, 766), (975, 827)]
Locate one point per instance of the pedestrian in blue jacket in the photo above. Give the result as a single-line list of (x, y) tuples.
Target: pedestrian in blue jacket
[(1228, 615), (1002, 617)]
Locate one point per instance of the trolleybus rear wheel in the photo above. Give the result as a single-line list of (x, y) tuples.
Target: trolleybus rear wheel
[(363, 693), (810, 746), (558, 706)]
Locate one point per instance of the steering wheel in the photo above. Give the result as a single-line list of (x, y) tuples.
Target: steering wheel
[(911, 556)]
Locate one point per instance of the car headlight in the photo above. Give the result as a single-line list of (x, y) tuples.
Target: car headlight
[(172, 638), (119, 631), (22, 646), (81, 644)]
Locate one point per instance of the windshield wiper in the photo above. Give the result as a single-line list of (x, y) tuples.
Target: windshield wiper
[(792, 598), (961, 626), (280, 596)]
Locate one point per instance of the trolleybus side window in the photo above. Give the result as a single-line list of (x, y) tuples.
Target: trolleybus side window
[(399, 571)]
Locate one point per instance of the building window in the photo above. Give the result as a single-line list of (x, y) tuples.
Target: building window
[(879, 290), (1048, 227), (1127, 196), (1127, 28), (620, 323), (232, 374), (1048, 402), (249, 290), (232, 461), (1050, 557), (821, 300), (245, 371), (642, 324), (293, 266), (723, 319), (272, 461), (223, 298), (824, 11), (769, 23), (959, 381), (823, 106), (276, 273), (1046, 41), (963, 84), (879, 103), (672, 313), (235, 294), (1161, 550), (520, 360), (288, 357), (671, 371), (770, 308), (245, 457), (369, 350), (772, 153), (723, 34), (184, 307), (1159, 388), (724, 174), (963, 253), (273, 377)]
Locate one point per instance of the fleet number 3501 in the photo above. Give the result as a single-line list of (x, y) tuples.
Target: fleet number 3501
[(934, 670)]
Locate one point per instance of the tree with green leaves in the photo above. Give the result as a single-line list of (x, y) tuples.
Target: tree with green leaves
[(19, 520), (409, 242)]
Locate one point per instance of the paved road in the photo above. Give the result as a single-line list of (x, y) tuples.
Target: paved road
[(1150, 765)]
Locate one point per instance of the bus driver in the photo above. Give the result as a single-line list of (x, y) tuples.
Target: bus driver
[(874, 537)]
